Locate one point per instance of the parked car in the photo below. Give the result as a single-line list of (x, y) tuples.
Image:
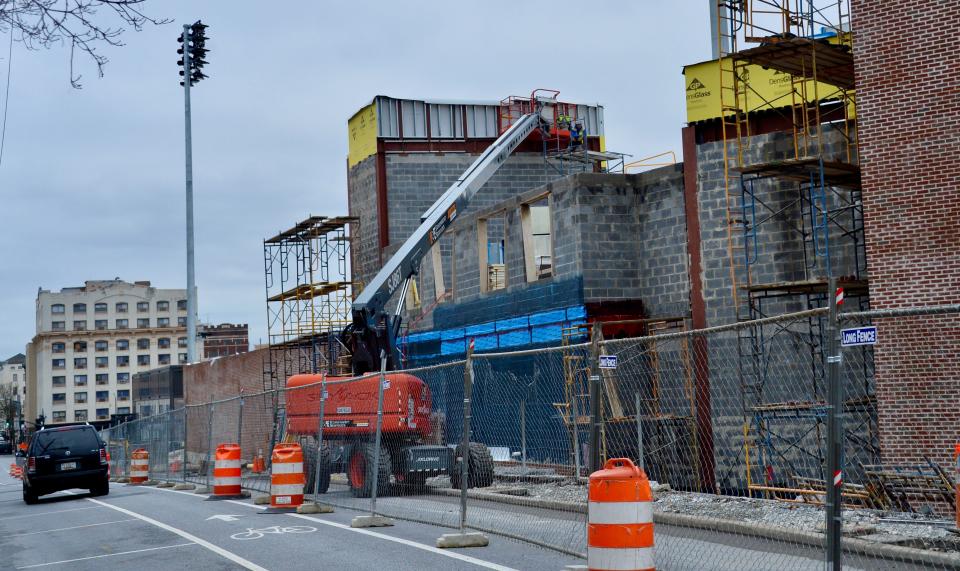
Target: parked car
[(65, 457), (6, 447)]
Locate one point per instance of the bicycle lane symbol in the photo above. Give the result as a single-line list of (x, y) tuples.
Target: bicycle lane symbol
[(252, 533)]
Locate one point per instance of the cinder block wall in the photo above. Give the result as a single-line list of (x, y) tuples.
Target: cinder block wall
[(414, 181), (789, 365), (908, 105), (615, 237)]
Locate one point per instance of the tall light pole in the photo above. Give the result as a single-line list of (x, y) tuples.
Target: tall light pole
[(193, 50)]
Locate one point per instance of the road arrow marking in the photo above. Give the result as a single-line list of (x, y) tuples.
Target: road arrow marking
[(224, 517)]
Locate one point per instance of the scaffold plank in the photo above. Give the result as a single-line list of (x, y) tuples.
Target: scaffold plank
[(794, 56), (835, 173)]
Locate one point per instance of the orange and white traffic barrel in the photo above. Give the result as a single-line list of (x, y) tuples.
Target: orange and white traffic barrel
[(139, 466), (286, 476), (620, 528), (226, 470)]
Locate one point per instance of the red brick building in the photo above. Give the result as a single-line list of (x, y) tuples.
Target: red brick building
[(908, 107), (224, 339)]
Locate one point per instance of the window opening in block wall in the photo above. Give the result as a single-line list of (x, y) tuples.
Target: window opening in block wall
[(491, 245), (537, 239)]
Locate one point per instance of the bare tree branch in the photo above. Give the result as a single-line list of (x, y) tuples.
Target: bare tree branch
[(46, 23)]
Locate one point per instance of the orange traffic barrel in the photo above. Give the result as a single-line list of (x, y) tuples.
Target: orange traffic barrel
[(620, 516), (226, 470), (139, 466), (286, 476)]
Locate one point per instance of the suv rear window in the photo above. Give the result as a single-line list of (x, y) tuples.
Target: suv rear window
[(82, 439)]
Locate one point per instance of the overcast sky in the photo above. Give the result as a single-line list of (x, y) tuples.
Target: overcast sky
[(91, 183)]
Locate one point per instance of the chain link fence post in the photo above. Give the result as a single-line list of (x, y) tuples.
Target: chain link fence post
[(378, 436), (319, 464), (523, 436), (595, 392), (465, 436), (636, 404), (464, 539), (373, 520), (834, 472), (183, 444), (240, 423), (210, 447)]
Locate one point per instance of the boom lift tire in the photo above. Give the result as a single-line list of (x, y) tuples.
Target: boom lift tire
[(360, 470), (310, 466), (480, 467)]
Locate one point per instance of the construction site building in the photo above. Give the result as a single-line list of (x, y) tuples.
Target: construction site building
[(820, 145)]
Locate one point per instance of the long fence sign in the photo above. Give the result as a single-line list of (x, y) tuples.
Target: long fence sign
[(858, 336)]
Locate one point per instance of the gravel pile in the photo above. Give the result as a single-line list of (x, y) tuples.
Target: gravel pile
[(907, 529)]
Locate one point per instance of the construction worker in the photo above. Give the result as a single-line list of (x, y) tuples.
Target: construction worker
[(577, 136)]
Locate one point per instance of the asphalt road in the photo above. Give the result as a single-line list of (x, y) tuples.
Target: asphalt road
[(146, 528)]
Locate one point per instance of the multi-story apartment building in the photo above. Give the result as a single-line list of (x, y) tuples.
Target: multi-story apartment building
[(92, 339), (13, 373), (12, 376)]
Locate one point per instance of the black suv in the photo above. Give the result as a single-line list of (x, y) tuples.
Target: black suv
[(65, 457)]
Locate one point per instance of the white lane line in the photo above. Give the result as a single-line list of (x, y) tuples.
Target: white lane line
[(430, 548), (105, 555), (48, 513), (66, 528), (188, 536), (414, 544)]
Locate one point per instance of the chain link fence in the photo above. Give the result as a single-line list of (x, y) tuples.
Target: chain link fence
[(729, 424)]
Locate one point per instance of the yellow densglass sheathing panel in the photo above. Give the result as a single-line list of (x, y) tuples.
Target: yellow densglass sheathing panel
[(767, 89), (363, 134)]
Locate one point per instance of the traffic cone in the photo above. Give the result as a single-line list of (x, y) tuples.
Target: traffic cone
[(259, 465)]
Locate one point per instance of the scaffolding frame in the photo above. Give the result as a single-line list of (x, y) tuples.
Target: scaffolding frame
[(574, 410), (824, 212), (309, 292)]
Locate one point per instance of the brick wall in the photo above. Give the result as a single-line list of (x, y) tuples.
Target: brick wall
[(908, 105), (223, 377)]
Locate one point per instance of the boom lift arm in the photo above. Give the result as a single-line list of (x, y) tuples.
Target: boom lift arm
[(374, 331)]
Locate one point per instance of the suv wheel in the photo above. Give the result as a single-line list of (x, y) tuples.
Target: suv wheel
[(102, 490), (29, 496)]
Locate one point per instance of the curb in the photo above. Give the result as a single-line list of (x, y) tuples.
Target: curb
[(849, 544), (525, 501)]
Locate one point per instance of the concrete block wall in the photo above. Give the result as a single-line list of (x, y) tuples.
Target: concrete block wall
[(909, 112), (362, 196), (779, 255), (789, 364), (621, 236), (414, 181), (662, 243)]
